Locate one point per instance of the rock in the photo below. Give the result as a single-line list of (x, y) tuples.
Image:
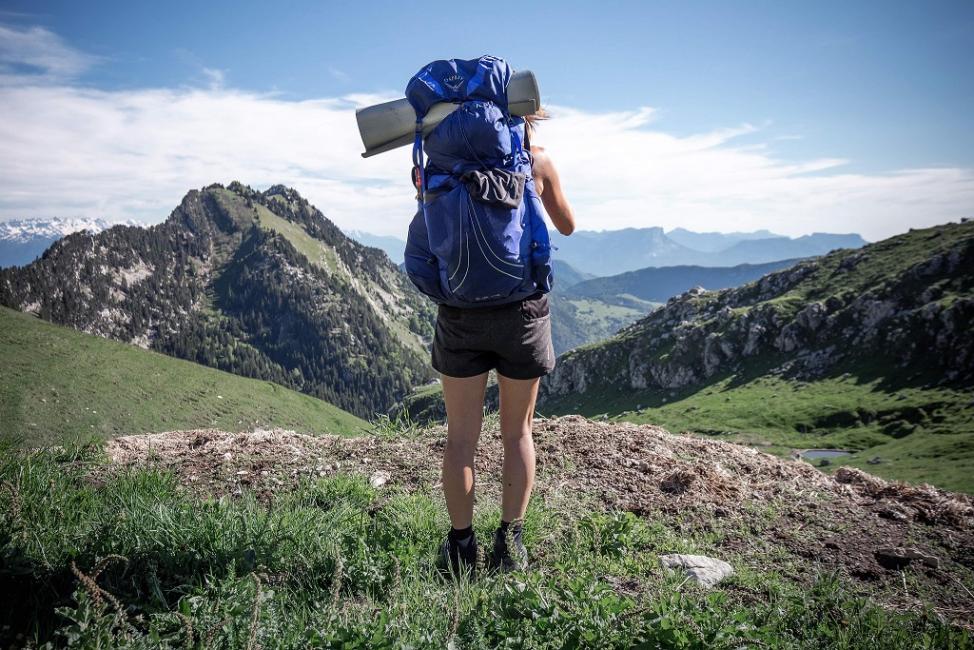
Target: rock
[(899, 557), (789, 338), (893, 513), (705, 571), (379, 478), (727, 348), (711, 354), (874, 312), (725, 314), (754, 334), (875, 460), (812, 316)]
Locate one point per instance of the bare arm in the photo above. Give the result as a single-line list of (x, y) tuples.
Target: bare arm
[(552, 196)]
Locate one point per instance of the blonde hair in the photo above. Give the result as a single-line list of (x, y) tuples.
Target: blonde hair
[(537, 116)]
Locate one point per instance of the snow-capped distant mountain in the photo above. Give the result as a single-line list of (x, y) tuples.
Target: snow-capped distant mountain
[(23, 240)]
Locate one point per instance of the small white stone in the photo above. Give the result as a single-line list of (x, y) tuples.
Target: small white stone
[(379, 479), (705, 571)]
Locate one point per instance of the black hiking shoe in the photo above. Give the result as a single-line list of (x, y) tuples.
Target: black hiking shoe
[(508, 553), (456, 558)]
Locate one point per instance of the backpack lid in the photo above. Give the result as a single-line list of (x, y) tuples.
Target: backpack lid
[(457, 80)]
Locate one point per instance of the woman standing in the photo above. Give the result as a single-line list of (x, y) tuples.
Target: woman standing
[(514, 340)]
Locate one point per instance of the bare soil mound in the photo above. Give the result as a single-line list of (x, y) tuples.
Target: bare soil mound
[(766, 510)]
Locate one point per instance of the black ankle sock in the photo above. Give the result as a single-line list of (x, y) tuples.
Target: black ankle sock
[(458, 535), (514, 526)]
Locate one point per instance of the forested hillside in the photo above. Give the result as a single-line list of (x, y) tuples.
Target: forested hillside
[(260, 284)]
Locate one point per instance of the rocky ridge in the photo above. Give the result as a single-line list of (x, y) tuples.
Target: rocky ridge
[(906, 301)]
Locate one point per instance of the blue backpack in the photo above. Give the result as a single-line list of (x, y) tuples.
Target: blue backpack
[(478, 238)]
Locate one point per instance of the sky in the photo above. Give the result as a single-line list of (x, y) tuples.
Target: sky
[(712, 116)]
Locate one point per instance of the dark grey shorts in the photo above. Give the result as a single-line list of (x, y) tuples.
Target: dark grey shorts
[(514, 339)]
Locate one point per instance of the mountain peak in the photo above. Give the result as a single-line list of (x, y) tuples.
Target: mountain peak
[(257, 283)]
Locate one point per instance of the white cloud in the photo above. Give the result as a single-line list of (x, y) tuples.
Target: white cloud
[(73, 151), (620, 173), (215, 76), (40, 54)]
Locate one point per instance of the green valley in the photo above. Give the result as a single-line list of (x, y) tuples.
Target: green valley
[(913, 433)]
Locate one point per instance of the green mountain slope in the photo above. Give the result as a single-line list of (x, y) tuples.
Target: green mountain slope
[(567, 275), (593, 309), (260, 284), (58, 385), (869, 350), (579, 320)]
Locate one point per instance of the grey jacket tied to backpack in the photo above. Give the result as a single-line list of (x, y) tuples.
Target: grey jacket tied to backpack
[(495, 186)]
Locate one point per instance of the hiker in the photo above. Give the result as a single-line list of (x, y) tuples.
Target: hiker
[(478, 246), (515, 340)]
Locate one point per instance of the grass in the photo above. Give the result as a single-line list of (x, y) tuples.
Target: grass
[(317, 252), (58, 385), (604, 317), (138, 561)]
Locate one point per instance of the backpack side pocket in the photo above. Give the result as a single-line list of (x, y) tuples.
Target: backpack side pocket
[(422, 266), (541, 270)]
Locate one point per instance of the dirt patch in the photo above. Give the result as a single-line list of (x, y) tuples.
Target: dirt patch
[(758, 506)]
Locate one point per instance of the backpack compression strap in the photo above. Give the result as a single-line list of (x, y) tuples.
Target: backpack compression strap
[(418, 159)]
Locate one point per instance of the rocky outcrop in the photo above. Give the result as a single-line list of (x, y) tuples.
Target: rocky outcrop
[(904, 301)]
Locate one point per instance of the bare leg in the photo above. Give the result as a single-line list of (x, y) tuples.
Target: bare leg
[(464, 399), (517, 397)]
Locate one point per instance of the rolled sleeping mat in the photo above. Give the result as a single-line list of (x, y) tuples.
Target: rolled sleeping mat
[(389, 125)]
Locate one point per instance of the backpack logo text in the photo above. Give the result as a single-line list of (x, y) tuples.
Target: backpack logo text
[(454, 81)]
